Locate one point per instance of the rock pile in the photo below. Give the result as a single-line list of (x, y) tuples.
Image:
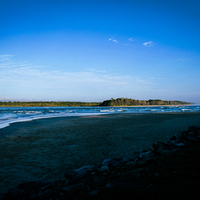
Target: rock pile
[(89, 180)]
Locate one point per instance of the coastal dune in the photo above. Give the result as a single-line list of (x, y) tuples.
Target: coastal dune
[(45, 149)]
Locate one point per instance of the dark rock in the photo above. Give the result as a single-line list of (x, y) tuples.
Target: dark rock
[(94, 192), (125, 160), (138, 170), (70, 174), (108, 185), (87, 167), (76, 174), (173, 137), (104, 168), (180, 144), (33, 186), (193, 128), (80, 185), (2, 196), (107, 162), (68, 188), (14, 193)]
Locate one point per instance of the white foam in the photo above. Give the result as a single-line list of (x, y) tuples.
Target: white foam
[(5, 123)]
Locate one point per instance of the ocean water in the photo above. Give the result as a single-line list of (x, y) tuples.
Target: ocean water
[(9, 115)]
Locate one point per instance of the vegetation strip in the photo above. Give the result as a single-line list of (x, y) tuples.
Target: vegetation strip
[(111, 102)]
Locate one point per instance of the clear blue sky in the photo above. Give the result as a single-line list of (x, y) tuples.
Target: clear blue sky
[(93, 50)]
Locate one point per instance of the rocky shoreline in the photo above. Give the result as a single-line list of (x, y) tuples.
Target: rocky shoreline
[(148, 173)]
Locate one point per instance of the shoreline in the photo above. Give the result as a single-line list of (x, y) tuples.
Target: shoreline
[(96, 106), (43, 149), (153, 105)]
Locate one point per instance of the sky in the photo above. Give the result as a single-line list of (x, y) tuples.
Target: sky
[(93, 50)]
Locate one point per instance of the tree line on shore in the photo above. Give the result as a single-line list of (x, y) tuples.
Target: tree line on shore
[(134, 102), (111, 102), (46, 104)]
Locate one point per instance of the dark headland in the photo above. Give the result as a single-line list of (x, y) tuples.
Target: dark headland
[(119, 151)]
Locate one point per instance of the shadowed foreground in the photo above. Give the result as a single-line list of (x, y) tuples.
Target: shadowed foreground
[(147, 128)]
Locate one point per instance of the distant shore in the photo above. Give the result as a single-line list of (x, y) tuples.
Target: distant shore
[(152, 105), (98, 106)]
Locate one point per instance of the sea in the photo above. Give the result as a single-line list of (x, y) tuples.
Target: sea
[(9, 115)]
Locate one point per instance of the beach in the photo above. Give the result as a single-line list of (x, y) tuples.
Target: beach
[(45, 149)]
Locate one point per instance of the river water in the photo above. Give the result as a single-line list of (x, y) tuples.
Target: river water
[(9, 115)]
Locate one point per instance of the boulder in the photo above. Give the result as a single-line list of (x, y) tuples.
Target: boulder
[(33, 186), (14, 193), (94, 192), (104, 168)]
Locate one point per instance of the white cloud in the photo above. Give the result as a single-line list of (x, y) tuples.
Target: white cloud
[(113, 40), (5, 57), (150, 43), (132, 39), (21, 80)]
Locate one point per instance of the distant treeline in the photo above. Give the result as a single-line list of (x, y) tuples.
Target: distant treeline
[(111, 102), (134, 102), (46, 104)]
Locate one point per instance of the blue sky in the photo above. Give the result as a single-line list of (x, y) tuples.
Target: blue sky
[(95, 50)]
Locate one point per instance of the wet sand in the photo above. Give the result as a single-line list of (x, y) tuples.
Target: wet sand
[(44, 149)]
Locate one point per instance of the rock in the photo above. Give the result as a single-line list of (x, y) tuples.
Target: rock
[(131, 163), (68, 188), (108, 185), (173, 143), (117, 163), (67, 182), (193, 129), (192, 134), (33, 186), (180, 144), (106, 162), (2, 195), (40, 194), (94, 192), (125, 160), (80, 185), (193, 139), (145, 155), (157, 174), (87, 167), (70, 174), (81, 174), (77, 174), (166, 152), (45, 187), (104, 168), (173, 137), (141, 162), (15, 192), (138, 170)]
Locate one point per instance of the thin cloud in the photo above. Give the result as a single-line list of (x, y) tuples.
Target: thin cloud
[(18, 80), (183, 59), (113, 40), (5, 57), (132, 39), (150, 43)]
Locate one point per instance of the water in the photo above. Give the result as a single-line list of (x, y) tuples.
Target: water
[(9, 115)]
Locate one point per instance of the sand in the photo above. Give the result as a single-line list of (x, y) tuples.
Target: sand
[(45, 149)]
